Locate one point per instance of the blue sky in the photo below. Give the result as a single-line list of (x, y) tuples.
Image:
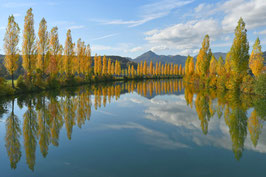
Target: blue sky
[(130, 28)]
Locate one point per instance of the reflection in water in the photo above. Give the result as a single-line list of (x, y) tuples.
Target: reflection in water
[(48, 113), (233, 106)]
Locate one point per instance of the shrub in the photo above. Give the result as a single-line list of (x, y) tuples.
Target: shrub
[(21, 83), (5, 89), (52, 82)]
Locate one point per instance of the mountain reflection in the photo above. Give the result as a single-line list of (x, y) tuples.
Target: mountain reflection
[(50, 112)]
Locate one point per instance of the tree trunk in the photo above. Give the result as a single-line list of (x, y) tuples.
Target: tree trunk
[(12, 75)]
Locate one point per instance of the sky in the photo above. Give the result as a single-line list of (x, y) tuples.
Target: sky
[(130, 28)]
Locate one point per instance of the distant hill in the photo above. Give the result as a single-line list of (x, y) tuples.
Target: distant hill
[(124, 61), (217, 55), (151, 56)]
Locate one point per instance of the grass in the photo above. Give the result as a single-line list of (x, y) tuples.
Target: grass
[(9, 82)]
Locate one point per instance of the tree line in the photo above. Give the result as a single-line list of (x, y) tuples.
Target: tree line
[(239, 70), (47, 62)]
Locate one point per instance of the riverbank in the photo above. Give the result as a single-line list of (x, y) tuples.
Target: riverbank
[(24, 87), (247, 84)]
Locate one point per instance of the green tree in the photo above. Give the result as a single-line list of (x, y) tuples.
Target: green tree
[(239, 50)]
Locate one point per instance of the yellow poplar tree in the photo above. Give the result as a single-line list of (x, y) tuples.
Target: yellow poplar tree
[(29, 45), (43, 47), (180, 70), (88, 59), (80, 56), (99, 65), (54, 47), (132, 71), (220, 66), (151, 68), (10, 47), (191, 66), (109, 66), (213, 66), (95, 64), (203, 58), (113, 69), (256, 59), (104, 65), (145, 68), (68, 54)]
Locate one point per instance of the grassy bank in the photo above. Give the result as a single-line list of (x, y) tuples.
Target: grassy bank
[(22, 86)]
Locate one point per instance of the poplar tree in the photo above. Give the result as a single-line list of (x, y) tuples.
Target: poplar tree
[(213, 66), (132, 71), (42, 47), (88, 59), (109, 66), (104, 70), (81, 60), (256, 59), (191, 66), (29, 45), (203, 58), (55, 49), (99, 65), (151, 68), (95, 64), (11, 40), (145, 68), (220, 66), (239, 49), (68, 54)]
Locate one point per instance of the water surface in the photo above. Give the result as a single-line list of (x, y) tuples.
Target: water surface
[(150, 128)]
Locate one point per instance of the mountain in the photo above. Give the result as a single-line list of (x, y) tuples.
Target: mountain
[(124, 61), (151, 56), (219, 54), (216, 55)]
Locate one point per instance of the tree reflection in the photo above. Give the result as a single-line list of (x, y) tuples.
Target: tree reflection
[(30, 129), (13, 133), (47, 113)]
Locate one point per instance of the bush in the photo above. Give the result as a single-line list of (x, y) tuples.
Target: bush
[(5, 89), (52, 82), (260, 85), (21, 83)]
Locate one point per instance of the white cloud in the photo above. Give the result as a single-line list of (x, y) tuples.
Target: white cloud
[(150, 12), (263, 32), (186, 37), (104, 37), (136, 49), (252, 11), (150, 136)]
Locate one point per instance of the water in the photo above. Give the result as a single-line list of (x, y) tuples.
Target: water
[(151, 128)]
